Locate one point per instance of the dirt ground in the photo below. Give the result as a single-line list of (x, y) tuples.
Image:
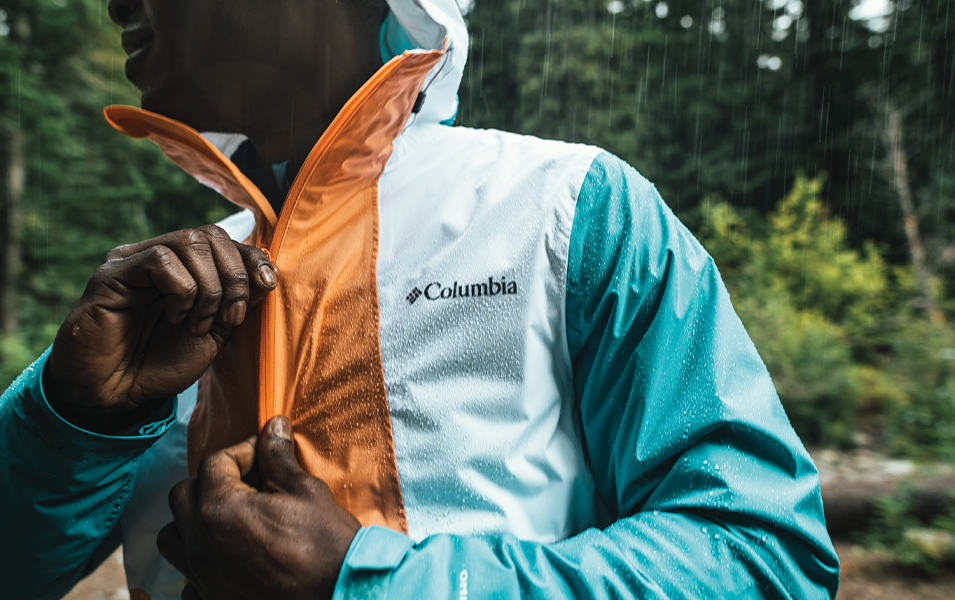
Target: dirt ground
[(869, 576), (108, 582), (865, 576)]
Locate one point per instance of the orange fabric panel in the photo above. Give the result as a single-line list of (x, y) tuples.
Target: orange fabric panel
[(327, 242), (227, 410), (316, 338), (330, 381), (195, 155)]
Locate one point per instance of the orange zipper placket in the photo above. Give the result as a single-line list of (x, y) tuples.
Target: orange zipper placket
[(267, 406)]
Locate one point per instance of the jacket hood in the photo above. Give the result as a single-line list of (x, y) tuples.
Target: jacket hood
[(433, 25)]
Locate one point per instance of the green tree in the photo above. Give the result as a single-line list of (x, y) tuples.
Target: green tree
[(735, 98), (83, 188)]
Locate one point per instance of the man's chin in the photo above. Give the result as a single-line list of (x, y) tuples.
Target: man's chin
[(183, 108)]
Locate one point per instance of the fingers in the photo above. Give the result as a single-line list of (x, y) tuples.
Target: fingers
[(199, 257), (227, 468), (156, 269), (172, 548), (279, 470), (206, 278), (232, 276)]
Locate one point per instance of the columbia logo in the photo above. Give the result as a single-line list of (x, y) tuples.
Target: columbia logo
[(413, 296), (490, 288)]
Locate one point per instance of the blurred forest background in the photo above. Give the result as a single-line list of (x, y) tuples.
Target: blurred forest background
[(810, 144)]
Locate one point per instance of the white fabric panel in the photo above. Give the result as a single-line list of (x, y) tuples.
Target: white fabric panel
[(239, 226), (227, 143), (163, 466), (480, 388)]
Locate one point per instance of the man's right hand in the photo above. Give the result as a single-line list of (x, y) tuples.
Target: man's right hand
[(152, 319)]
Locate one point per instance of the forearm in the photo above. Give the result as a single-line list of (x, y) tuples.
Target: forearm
[(650, 555), (700, 529), (64, 488)]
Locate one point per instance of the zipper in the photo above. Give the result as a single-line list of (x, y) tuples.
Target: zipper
[(267, 406)]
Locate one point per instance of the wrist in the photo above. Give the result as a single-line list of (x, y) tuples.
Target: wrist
[(347, 530), (83, 409), (110, 421)]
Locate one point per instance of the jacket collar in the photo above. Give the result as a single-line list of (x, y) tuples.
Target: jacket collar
[(354, 148)]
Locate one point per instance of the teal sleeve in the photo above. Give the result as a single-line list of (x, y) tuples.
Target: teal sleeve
[(63, 489), (713, 494)]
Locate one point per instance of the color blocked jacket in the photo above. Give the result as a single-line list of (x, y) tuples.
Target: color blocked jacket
[(505, 355)]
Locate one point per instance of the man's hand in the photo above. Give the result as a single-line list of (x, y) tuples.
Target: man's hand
[(284, 539), (152, 319)]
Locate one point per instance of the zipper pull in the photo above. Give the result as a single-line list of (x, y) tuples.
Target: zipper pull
[(418, 103)]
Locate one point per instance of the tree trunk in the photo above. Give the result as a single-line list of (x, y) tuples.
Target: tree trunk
[(900, 180), (10, 268), (11, 221)]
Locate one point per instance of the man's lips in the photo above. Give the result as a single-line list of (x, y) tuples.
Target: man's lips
[(135, 40)]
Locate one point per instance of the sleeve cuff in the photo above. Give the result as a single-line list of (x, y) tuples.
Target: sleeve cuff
[(372, 557), (60, 434)]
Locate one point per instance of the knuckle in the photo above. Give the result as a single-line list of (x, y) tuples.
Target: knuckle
[(161, 255), (206, 466), (100, 274), (239, 277), (197, 243), (214, 231), (117, 253), (178, 493), (259, 254), (251, 253), (191, 290), (212, 295), (195, 237)]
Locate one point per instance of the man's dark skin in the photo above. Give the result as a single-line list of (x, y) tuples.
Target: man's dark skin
[(252, 523)]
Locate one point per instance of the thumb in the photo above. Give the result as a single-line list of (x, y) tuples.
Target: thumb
[(279, 470), (263, 274)]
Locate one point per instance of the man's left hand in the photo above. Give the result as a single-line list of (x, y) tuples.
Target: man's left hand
[(286, 537)]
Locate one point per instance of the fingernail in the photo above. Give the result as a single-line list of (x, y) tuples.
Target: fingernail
[(236, 312), (282, 428), (267, 276)]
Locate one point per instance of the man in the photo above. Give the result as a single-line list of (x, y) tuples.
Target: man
[(483, 365)]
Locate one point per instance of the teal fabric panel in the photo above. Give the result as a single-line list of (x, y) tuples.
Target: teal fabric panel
[(714, 494), (63, 489), (392, 39)]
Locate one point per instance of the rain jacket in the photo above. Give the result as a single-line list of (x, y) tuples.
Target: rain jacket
[(505, 355)]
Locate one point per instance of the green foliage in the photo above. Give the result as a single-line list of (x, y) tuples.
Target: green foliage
[(924, 548), (834, 326), (735, 98), (922, 423), (14, 356)]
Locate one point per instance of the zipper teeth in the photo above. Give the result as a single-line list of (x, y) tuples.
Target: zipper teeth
[(267, 408)]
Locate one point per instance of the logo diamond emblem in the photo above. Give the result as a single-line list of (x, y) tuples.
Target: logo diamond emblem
[(414, 295)]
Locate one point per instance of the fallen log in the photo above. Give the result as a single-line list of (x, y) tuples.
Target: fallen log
[(851, 506)]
